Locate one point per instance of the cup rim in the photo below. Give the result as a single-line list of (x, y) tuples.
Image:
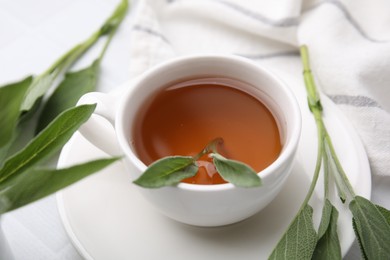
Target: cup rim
[(288, 150)]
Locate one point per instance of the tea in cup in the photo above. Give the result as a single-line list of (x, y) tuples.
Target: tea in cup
[(178, 107)]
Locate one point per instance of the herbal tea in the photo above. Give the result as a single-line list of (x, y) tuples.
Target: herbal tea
[(184, 117)]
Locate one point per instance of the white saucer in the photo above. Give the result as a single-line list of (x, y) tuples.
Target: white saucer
[(106, 218)]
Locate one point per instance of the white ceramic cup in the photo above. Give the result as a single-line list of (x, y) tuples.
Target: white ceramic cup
[(200, 205)]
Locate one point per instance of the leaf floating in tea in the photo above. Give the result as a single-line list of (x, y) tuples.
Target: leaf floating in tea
[(173, 169), (167, 171), (235, 172), (190, 113)]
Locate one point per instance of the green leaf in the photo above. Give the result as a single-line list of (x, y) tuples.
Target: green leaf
[(372, 228), (364, 256), (325, 218), (34, 184), (300, 239), (49, 141), (328, 245), (11, 98), (37, 89), (66, 95), (167, 171), (237, 173), (385, 213)]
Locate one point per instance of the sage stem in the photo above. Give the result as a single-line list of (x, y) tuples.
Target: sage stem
[(317, 169), (326, 174), (337, 179), (312, 93), (115, 20), (340, 169), (316, 109), (210, 147)]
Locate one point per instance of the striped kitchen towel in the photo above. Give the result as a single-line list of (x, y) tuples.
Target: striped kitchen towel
[(349, 43)]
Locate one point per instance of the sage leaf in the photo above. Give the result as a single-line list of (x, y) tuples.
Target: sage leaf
[(385, 213), (37, 89), (364, 256), (34, 184), (325, 218), (300, 239), (167, 171), (66, 95), (235, 172), (11, 98), (328, 245), (372, 228), (49, 141)]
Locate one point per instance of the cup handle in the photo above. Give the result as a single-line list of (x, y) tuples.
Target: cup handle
[(99, 129)]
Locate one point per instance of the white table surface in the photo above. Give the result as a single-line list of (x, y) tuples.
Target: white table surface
[(32, 35)]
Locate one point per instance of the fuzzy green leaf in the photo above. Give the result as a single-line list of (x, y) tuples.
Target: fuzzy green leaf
[(37, 89), (66, 95), (372, 228), (167, 171), (237, 173), (385, 212), (364, 256), (328, 245), (49, 141), (325, 218), (34, 184), (300, 239), (11, 98)]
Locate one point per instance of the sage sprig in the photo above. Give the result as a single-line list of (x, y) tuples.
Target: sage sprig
[(24, 177), (43, 82), (171, 170), (77, 83), (370, 222)]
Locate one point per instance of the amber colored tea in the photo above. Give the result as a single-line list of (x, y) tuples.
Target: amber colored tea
[(185, 116)]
